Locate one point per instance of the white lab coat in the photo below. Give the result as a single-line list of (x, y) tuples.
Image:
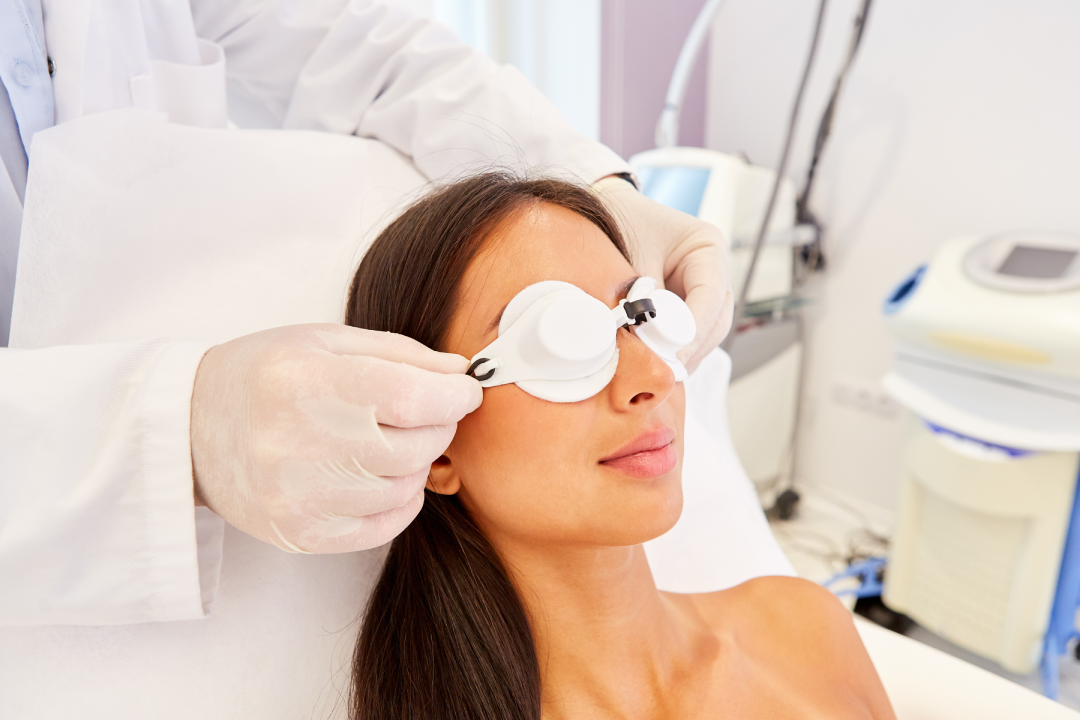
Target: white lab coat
[(103, 531), (144, 242)]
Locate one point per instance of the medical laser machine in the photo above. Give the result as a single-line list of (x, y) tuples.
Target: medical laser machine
[(988, 360)]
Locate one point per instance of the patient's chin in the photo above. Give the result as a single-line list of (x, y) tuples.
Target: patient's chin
[(667, 519), (648, 521)]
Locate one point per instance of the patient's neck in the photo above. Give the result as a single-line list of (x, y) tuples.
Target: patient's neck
[(604, 635)]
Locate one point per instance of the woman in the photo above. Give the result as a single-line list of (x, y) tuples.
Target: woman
[(521, 590)]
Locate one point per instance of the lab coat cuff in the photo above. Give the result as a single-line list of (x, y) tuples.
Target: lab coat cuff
[(183, 563)]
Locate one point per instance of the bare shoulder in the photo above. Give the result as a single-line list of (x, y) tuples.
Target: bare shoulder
[(787, 602), (797, 613), (801, 631)]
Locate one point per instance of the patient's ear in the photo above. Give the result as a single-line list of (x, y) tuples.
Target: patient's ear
[(443, 478)]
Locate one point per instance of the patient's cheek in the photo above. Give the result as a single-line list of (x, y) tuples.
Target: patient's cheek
[(513, 422), (515, 441)]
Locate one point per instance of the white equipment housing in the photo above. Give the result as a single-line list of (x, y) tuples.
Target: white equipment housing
[(977, 546), (988, 355), (732, 194)]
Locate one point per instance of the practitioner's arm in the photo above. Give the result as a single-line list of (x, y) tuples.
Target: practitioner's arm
[(374, 70)]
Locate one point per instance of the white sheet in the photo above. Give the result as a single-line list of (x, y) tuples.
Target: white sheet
[(926, 684)]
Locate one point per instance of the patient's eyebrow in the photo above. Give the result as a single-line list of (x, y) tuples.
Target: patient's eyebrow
[(619, 294), (494, 324), (624, 289)]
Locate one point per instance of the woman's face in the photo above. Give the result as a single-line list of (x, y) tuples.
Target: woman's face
[(602, 471)]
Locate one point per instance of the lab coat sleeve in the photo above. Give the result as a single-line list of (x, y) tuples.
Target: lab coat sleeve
[(374, 70), (97, 519)]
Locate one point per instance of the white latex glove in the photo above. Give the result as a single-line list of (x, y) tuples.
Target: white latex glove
[(319, 438), (688, 255)]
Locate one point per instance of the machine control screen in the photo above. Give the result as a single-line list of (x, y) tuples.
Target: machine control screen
[(1037, 262), (678, 187)]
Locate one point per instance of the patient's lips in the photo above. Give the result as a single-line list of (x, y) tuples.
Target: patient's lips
[(648, 455)]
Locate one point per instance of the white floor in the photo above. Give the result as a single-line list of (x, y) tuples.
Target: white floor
[(829, 529)]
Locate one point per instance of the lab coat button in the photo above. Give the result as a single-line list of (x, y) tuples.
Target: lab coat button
[(23, 74), (52, 66)]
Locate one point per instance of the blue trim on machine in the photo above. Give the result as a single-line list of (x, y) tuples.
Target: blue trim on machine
[(1066, 602), (903, 291), (1010, 451)]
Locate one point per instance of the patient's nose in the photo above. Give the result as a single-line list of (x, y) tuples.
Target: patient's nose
[(642, 379)]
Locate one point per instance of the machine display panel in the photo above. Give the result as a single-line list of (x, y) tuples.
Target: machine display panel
[(1026, 261), (677, 186)]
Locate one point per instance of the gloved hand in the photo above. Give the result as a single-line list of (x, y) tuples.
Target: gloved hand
[(318, 438), (688, 255)]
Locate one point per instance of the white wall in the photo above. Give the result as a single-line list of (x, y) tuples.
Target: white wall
[(961, 116)]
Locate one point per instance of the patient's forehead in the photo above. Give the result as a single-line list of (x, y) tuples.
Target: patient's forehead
[(539, 242)]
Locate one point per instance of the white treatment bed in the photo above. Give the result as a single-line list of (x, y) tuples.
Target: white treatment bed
[(926, 684)]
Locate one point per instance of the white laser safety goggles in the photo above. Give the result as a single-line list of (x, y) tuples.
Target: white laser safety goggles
[(557, 342)]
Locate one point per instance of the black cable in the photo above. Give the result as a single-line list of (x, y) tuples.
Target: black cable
[(740, 305), (792, 497), (811, 255)]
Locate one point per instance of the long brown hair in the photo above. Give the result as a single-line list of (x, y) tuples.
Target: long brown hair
[(445, 635)]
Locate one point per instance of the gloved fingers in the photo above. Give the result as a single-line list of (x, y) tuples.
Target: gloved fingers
[(286, 440), (647, 261), (347, 490), (402, 395), (406, 451), (374, 530), (360, 444), (711, 339), (338, 532), (345, 340), (701, 278)]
